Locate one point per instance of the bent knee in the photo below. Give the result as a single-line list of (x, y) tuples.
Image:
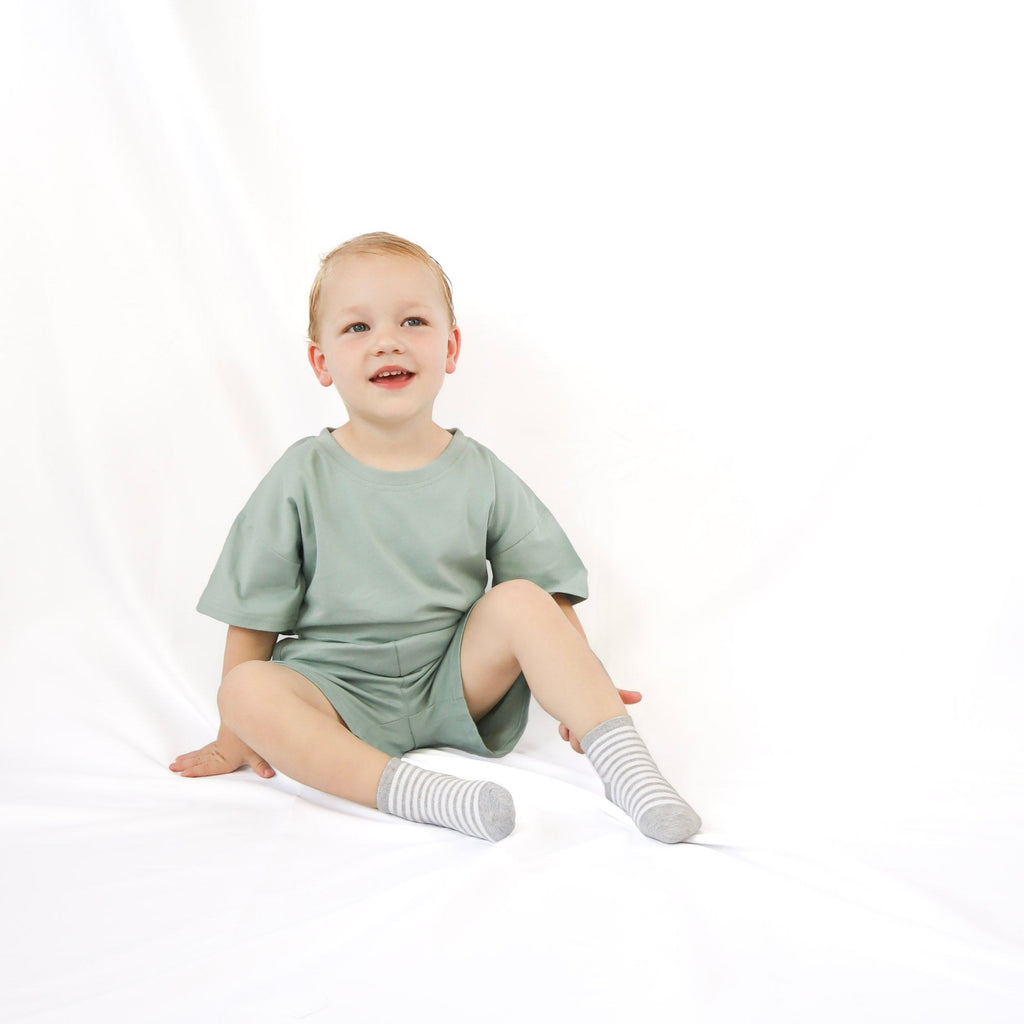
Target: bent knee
[(238, 687), (519, 590), (263, 686), (517, 597)]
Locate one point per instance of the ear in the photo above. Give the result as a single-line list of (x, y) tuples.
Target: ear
[(454, 348), (319, 363)]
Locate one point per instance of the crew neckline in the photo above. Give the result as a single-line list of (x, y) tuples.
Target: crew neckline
[(395, 477)]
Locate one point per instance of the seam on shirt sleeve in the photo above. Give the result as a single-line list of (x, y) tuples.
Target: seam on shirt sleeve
[(525, 536), (291, 559)]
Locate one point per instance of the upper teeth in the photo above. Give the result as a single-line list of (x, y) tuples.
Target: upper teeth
[(391, 373)]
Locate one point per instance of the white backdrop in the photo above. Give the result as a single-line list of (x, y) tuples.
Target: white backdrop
[(739, 287)]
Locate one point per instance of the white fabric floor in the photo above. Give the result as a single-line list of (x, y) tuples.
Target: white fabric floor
[(740, 300), (132, 894)]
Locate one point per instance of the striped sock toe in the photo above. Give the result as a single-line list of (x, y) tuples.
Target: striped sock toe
[(633, 783), (474, 807)]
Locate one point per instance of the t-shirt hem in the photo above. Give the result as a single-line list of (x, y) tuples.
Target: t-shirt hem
[(235, 618)]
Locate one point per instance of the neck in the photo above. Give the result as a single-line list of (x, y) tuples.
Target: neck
[(394, 449)]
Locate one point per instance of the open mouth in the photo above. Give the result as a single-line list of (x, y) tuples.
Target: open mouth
[(392, 377)]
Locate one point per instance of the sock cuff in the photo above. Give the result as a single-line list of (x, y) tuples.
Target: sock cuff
[(384, 786), (586, 742)]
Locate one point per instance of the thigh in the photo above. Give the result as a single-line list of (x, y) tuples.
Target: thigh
[(254, 677), (489, 666)]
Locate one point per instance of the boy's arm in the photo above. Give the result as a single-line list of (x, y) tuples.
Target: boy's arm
[(628, 696), (246, 645), (227, 752)]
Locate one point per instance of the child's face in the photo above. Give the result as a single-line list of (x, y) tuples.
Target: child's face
[(385, 340)]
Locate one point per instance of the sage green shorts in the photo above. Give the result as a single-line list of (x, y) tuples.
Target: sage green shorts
[(407, 694)]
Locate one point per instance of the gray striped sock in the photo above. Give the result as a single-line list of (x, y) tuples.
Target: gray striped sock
[(633, 783), (481, 809)]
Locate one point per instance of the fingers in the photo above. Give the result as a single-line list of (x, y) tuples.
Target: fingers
[(197, 763), (261, 768), (626, 696), (569, 737), (210, 760), (184, 761)]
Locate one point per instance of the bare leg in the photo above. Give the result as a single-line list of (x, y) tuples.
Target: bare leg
[(280, 713), (292, 724), (517, 627)]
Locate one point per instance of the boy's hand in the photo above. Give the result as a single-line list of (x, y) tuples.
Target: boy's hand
[(226, 753), (627, 696)]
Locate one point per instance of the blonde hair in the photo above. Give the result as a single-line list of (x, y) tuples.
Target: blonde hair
[(378, 243)]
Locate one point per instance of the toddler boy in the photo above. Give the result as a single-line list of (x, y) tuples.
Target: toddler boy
[(368, 547)]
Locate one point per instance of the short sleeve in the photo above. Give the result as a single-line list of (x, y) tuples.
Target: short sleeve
[(258, 581), (524, 541)]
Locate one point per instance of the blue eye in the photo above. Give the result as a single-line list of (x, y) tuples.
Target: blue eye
[(415, 321), (356, 328)]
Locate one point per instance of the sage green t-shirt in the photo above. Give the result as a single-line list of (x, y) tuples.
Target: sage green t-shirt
[(328, 548)]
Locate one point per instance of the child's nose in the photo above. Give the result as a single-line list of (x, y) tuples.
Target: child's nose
[(389, 341)]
